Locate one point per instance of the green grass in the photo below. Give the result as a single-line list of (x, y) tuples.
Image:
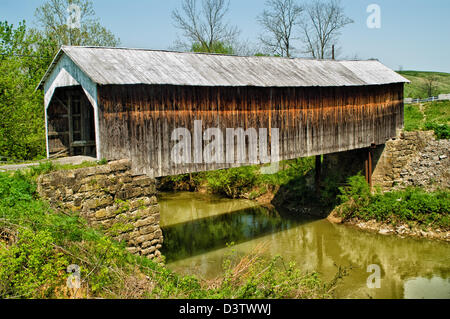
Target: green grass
[(438, 112), (38, 243), (415, 88), (413, 205), (414, 118), (48, 166), (433, 116)]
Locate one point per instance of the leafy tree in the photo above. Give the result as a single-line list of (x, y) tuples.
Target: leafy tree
[(53, 17), (217, 47), (25, 55), (23, 61)]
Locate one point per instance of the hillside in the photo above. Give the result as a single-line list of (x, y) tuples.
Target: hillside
[(418, 78)]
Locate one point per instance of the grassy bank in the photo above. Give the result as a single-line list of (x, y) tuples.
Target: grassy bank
[(429, 116), (38, 243), (412, 206)]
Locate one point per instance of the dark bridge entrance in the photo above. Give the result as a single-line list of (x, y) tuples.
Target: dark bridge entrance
[(71, 126)]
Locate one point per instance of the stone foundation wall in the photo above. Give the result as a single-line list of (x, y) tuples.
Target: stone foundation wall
[(396, 155), (110, 197), (411, 159), (415, 159)]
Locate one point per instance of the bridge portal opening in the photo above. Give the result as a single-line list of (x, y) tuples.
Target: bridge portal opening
[(70, 124)]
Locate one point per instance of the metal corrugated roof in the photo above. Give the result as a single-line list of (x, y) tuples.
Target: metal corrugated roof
[(137, 66)]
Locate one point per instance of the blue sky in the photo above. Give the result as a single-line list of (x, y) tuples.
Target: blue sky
[(414, 34)]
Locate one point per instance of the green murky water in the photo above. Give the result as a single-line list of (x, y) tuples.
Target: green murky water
[(197, 228)]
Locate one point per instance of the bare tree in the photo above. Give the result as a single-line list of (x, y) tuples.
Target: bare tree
[(279, 22), (429, 85), (321, 27), (205, 26)]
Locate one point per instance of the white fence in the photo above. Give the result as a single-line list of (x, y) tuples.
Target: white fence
[(441, 97)]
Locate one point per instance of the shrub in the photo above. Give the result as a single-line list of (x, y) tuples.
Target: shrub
[(233, 182), (356, 191), (31, 268), (246, 181), (442, 131), (409, 205)]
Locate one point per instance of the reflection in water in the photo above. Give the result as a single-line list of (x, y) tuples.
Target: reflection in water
[(206, 234), (423, 288), (185, 207), (197, 245)]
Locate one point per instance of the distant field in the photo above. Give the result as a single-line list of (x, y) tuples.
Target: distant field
[(417, 78)]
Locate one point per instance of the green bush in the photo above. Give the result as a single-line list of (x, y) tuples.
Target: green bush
[(330, 189), (409, 205), (233, 182), (357, 191), (31, 268), (246, 181), (442, 131)]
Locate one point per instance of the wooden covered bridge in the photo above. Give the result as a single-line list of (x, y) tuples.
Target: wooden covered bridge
[(118, 103)]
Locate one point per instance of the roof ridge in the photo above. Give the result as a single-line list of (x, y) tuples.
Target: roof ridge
[(115, 65), (210, 53)]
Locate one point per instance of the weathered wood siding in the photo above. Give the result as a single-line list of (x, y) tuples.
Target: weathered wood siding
[(137, 121)]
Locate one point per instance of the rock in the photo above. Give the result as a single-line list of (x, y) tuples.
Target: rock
[(401, 229), (384, 231), (148, 251), (334, 218), (133, 250), (144, 238), (145, 222), (121, 165), (147, 230)]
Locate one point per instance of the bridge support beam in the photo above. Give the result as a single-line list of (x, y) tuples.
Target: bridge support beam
[(368, 165), (318, 173), (342, 165)]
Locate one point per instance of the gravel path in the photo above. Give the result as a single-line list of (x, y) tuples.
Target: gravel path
[(74, 160)]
